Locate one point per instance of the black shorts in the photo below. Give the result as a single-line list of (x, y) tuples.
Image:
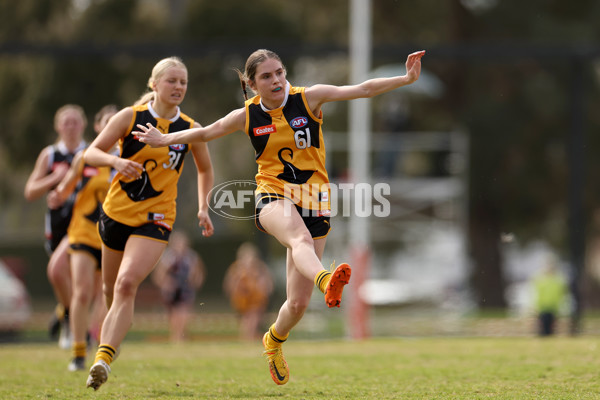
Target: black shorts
[(317, 225), (95, 253), (114, 234), (56, 225)]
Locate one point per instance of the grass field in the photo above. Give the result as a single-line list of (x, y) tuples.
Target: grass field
[(403, 368)]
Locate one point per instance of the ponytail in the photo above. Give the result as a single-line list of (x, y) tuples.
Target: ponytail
[(242, 82), (145, 98)]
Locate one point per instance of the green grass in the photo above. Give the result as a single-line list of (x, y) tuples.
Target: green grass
[(407, 368)]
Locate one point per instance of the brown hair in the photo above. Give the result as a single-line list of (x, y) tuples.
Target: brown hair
[(252, 63), (158, 70), (107, 109)]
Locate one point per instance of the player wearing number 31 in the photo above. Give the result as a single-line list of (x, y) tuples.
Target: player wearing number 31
[(283, 123), (139, 211)]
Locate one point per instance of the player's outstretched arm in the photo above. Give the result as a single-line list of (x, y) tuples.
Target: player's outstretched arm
[(320, 94), (234, 121)]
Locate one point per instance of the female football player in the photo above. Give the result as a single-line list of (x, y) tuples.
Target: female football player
[(139, 211), (50, 168), (283, 123), (90, 185)]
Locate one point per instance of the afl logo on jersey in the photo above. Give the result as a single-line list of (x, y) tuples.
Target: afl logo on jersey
[(299, 122), (177, 147)]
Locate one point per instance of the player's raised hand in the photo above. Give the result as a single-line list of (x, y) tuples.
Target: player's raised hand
[(413, 65), (149, 134)]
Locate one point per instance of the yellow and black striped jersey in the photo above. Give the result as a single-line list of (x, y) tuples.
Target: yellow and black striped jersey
[(152, 197), (290, 151), (91, 191)]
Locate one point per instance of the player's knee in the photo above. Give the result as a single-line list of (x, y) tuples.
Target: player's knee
[(82, 295), (55, 275), (126, 287), (298, 306), (302, 239)]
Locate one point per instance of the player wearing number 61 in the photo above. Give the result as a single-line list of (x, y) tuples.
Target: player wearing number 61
[(284, 124)]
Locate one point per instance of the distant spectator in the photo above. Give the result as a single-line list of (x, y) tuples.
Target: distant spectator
[(179, 274), (550, 294), (248, 284)]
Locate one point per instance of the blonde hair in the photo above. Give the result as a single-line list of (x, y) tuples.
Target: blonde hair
[(159, 69), (69, 107), (252, 63)]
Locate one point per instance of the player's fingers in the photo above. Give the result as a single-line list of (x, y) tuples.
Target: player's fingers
[(413, 57), (131, 175), (208, 228), (134, 170)]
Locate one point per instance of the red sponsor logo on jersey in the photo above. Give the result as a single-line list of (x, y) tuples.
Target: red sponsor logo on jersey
[(89, 171), (61, 164), (265, 130)]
